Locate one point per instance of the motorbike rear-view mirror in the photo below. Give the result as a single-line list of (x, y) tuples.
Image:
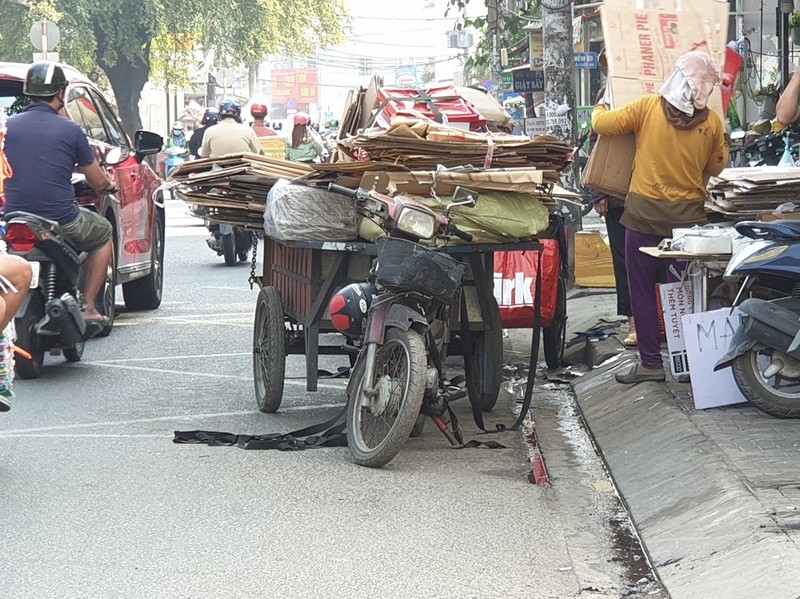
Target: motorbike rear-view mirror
[(147, 143), (464, 197)]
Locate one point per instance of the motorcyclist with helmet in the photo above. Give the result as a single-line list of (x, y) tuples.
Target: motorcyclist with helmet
[(229, 136), (43, 149), (302, 146), (177, 137), (259, 111), (210, 118)]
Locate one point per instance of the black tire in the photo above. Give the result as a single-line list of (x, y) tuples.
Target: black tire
[(269, 350), (419, 426), (402, 360), (483, 365), (244, 243), (106, 302), (145, 293), (554, 337), (28, 340), (759, 392), (75, 353), (242, 256), (228, 243)]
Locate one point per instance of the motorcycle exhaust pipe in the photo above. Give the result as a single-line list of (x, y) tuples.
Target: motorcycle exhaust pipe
[(65, 317)]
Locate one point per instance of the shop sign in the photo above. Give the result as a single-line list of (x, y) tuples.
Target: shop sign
[(676, 302), (585, 60), (300, 84), (528, 81)]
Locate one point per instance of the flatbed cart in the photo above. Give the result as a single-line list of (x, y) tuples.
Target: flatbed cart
[(301, 277)]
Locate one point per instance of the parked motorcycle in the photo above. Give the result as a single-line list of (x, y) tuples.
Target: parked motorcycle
[(398, 319), (49, 318), (764, 352)]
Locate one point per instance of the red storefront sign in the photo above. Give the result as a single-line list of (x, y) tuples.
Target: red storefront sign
[(301, 85)]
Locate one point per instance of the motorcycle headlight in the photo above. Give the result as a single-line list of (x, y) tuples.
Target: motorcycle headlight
[(417, 223), (747, 254)]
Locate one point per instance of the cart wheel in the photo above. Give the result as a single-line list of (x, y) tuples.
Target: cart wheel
[(483, 365), (554, 337), (269, 350)]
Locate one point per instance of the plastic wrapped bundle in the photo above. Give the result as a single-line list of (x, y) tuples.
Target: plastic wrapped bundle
[(302, 213)]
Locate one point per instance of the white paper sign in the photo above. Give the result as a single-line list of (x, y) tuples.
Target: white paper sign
[(676, 301), (708, 336)]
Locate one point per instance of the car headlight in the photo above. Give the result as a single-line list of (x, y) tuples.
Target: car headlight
[(417, 223)]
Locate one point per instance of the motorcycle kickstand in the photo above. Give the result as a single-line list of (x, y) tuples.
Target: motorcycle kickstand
[(455, 437)]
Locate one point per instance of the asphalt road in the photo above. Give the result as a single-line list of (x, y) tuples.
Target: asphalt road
[(99, 503)]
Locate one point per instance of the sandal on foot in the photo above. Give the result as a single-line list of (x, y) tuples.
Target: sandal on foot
[(640, 374)]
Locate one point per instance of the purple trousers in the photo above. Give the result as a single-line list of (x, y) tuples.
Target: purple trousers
[(644, 273)]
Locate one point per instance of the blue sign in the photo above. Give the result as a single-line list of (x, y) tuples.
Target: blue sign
[(585, 60), (528, 81), (291, 103)]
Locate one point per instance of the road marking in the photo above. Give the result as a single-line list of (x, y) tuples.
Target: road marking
[(42, 429), (160, 358)]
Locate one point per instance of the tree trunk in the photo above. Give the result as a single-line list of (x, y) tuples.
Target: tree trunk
[(127, 75), (127, 81), (252, 79), (560, 113)]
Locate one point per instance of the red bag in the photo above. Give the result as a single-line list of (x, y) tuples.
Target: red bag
[(515, 285)]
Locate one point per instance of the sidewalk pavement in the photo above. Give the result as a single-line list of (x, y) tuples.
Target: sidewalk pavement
[(714, 494)]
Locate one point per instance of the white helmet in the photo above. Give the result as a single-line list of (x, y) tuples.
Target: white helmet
[(177, 127)]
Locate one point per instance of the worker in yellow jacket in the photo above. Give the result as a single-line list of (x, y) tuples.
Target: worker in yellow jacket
[(679, 143)]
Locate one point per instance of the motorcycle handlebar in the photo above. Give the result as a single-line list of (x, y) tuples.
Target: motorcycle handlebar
[(461, 234), (340, 189)]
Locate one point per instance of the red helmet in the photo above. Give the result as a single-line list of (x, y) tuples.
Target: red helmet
[(259, 110), (301, 118)]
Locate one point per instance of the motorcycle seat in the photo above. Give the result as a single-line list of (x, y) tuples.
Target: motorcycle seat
[(777, 230)]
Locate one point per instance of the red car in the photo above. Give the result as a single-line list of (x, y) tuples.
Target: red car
[(136, 211)]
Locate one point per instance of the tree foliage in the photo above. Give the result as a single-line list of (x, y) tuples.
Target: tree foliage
[(132, 42), (512, 36)]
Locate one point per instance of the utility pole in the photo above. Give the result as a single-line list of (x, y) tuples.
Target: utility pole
[(559, 92), (492, 21)]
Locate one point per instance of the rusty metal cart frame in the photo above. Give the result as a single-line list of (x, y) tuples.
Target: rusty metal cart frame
[(300, 278)]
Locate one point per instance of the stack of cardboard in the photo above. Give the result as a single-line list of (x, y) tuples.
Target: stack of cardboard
[(233, 189), (753, 191), (421, 144)]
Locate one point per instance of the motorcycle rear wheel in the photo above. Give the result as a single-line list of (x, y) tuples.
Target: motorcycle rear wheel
[(400, 367), (74, 353), (28, 340), (228, 243), (762, 392)]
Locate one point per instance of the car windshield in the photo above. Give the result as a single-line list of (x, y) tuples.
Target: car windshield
[(12, 100)]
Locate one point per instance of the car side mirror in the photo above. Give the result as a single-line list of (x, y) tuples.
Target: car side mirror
[(116, 156), (147, 143)]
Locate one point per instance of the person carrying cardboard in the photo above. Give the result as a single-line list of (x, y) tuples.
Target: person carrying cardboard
[(678, 140)]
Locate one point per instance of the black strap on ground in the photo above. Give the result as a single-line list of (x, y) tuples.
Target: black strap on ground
[(330, 433), (477, 411)]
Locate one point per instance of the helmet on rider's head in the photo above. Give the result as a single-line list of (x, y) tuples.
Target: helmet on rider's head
[(348, 308), (301, 118), (44, 79), (258, 110), (177, 128), (230, 109), (210, 117)]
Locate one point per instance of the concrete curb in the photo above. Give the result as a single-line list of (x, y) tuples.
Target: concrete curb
[(706, 531)]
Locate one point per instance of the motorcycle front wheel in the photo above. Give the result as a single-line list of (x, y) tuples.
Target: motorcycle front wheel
[(378, 427), (776, 396)]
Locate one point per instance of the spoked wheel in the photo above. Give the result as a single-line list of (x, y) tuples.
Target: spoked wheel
[(28, 340), (228, 243), (378, 427), (269, 350), (483, 365), (773, 395), (554, 337)]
